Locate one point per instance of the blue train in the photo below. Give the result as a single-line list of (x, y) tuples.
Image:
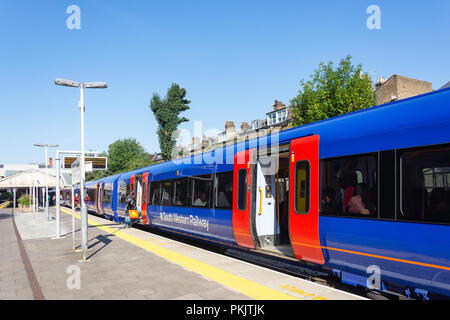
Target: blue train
[(364, 197)]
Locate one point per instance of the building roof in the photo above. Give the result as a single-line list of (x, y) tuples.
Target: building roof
[(30, 178)]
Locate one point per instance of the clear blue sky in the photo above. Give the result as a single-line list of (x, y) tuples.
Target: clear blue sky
[(234, 57)]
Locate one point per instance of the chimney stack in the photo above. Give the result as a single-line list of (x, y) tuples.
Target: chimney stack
[(379, 83), (245, 126), (229, 126), (278, 105)]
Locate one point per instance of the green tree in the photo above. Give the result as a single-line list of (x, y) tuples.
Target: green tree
[(98, 175), (123, 155), (166, 113), (138, 162), (332, 92)]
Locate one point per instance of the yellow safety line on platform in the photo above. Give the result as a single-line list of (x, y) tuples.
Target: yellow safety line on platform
[(249, 288), (4, 204)]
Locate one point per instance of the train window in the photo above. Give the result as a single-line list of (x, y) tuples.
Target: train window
[(242, 190), (144, 192), (122, 191), (128, 185), (155, 194), (90, 194), (349, 186), (301, 198), (224, 190), (106, 196), (425, 185), (181, 189), (166, 193), (201, 191)]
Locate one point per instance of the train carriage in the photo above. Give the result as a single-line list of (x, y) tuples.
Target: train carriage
[(364, 196)]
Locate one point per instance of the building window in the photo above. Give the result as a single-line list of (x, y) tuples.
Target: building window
[(276, 117), (425, 185), (349, 186)]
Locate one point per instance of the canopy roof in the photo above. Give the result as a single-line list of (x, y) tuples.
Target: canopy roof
[(32, 178)]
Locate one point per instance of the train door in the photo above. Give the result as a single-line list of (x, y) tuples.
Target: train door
[(267, 227), (138, 191), (145, 187), (99, 199), (242, 182), (271, 209), (304, 199)]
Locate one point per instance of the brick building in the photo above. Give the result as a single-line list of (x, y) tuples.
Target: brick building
[(399, 87)]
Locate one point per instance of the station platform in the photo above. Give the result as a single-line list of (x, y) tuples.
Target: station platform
[(130, 264)]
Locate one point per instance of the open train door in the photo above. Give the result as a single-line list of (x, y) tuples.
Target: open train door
[(144, 198), (304, 199), (99, 199), (241, 199), (138, 192)]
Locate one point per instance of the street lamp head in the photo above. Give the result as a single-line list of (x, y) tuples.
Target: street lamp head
[(67, 83), (96, 85), (91, 85), (46, 145)]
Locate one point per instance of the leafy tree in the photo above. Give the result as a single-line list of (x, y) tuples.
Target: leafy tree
[(98, 175), (139, 161), (122, 155), (166, 113), (332, 92)]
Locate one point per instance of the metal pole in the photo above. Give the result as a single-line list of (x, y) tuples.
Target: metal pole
[(73, 218), (58, 195), (34, 192), (46, 183), (84, 225), (14, 192), (35, 199), (32, 196)]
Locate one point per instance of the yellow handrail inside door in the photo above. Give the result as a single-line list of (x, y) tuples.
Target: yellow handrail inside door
[(260, 201)]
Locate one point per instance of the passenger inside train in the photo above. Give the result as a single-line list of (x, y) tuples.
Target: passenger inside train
[(349, 186)]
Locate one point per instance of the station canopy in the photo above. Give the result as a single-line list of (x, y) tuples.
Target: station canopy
[(32, 178)]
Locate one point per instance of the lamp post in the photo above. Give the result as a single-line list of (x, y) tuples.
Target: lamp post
[(46, 146), (82, 86)]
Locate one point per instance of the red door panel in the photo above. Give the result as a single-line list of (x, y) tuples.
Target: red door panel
[(304, 199), (96, 195), (132, 179), (241, 199), (100, 198), (144, 198)]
